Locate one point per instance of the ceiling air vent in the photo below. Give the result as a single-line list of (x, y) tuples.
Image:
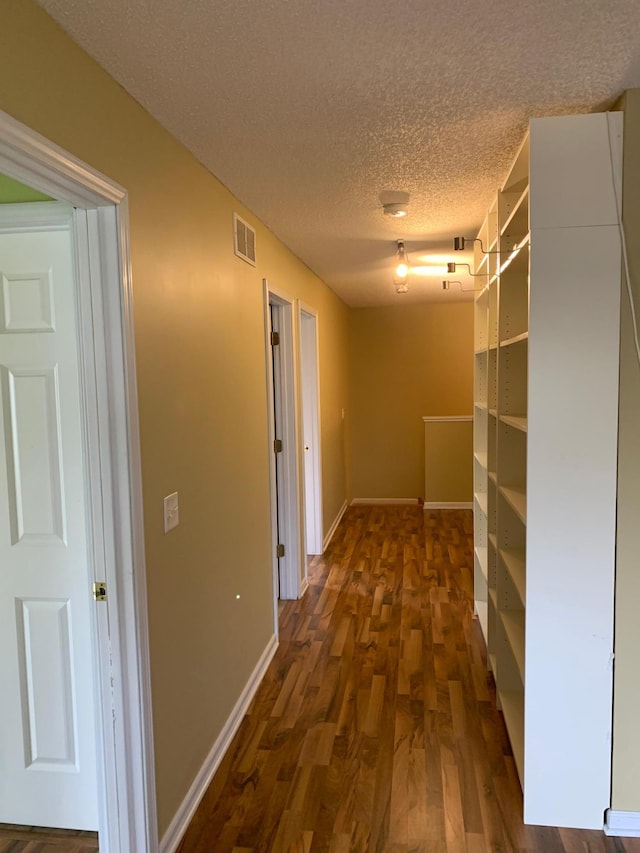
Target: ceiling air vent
[(244, 240)]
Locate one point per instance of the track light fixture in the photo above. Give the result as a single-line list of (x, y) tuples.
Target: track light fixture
[(459, 244), (446, 285), (452, 268)]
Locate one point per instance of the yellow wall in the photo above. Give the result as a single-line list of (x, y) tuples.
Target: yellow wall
[(626, 743), (407, 361), (201, 379), (448, 469)]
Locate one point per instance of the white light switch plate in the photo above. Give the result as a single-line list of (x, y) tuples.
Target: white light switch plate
[(171, 516)]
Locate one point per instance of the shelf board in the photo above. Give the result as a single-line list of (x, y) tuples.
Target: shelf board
[(492, 661), (518, 259), (493, 346), (483, 617), (481, 459), (481, 351), (518, 177), (493, 541), (480, 405), (484, 290), (519, 215), (515, 340), (493, 477), (515, 421), (514, 560), (513, 622), (517, 499), (482, 501), (482, 557), (493, 413), (512, 705)]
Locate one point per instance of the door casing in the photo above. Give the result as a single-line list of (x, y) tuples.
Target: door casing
[(126, 776)]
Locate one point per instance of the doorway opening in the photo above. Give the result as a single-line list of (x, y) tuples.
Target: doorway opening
[(288, 566), (310, 385), (107, 399)]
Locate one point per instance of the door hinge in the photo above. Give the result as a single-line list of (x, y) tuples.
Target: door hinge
[(277, 445), (100, 591), (275, 339), (279, 550)]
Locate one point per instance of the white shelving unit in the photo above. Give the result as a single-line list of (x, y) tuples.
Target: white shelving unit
[(545, 444)]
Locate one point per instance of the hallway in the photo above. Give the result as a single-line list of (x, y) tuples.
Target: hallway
[(375, 729)]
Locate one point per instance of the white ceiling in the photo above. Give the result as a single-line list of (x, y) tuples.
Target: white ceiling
[(307, 110)]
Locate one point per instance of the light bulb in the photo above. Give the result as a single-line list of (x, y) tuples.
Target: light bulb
[(402, 261)]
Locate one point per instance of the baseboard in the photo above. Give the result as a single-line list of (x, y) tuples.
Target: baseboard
[(332, 529), (448, 505), (625, 824), (304, 586), (384, 501), (178, 826)]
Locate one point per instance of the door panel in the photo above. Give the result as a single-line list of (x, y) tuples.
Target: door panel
[(44, 654), (34, 477), (47, 714)]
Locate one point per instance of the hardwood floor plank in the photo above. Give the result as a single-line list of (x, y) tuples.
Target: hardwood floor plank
[(375, 729), (25, 839)]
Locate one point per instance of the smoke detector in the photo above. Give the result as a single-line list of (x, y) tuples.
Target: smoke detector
[(395, 209)]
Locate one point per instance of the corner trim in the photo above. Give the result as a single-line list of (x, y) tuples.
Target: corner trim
[(37, 161), (178, 826), (448, 505), (626, 824), (304, 586), (327, 539)]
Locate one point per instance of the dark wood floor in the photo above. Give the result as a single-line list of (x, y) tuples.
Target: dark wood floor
[(21, 839), (375, 729)]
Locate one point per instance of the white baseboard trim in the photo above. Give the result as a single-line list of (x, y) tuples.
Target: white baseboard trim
[(625, 824), (448, 505), (178, 826), (384, 501), (332, 529)]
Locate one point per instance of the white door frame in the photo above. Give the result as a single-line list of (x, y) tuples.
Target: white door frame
[(310, 396), (126, 783), (285, 505)]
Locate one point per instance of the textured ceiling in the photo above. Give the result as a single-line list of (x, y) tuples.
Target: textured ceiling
[(308, 110)]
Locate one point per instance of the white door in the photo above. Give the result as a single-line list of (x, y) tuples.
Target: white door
[(47, 714), (311, 431)]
